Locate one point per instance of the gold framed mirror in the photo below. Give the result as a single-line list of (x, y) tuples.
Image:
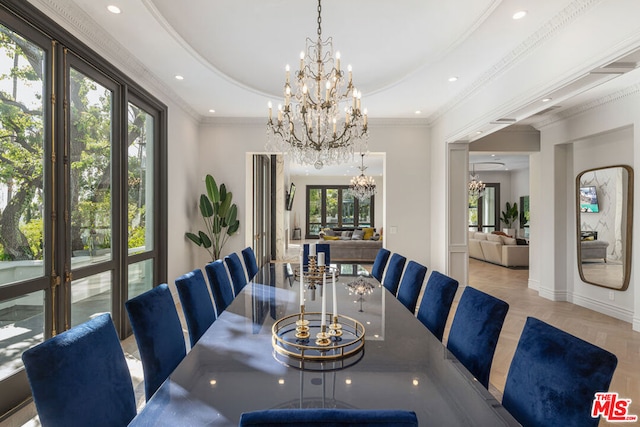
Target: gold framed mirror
[(604, 219)]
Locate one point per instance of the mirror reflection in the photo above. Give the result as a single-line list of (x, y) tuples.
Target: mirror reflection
[(604, 219)]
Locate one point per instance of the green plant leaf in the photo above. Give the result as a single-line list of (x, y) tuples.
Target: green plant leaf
[(205, 206), (225, 205), (223, 192), (206, 242), (217, 227), (232, 214), (233, 228), (212, 188), (195, 239)]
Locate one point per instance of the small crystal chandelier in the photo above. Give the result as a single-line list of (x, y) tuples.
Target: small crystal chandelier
[(362, 187), (476, 187), (313, 126)]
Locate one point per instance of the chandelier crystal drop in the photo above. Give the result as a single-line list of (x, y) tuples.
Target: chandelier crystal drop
[(476, 186), (321, 121), (362, 187)]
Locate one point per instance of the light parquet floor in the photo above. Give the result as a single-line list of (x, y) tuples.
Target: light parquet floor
[(611, 334)]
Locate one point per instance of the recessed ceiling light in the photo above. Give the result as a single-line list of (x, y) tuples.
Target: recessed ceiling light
[(212, 111), (493, 155), (546, 99), (520, 14), (478, 132), (113, 9), (179, 77), (453, 78), (418, 112)]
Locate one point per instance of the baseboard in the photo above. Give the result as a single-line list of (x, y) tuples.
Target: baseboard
[(604, 308), (552, 295), (533, 284), (636, 324)]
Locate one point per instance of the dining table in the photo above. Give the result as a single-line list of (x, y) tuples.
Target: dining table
[(236, 367)]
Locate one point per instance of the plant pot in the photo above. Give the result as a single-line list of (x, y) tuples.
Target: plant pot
[(510, 231)]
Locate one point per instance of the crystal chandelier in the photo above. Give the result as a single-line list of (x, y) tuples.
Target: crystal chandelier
[(476, 187), (362, 187), (321, 121)]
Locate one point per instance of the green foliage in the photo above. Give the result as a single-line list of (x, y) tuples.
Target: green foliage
[(220, 217), (510, 215), (34, 232)]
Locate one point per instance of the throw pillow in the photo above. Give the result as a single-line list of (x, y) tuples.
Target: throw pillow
[(357, 235), (509, 241), (500, 233), (325, 237), (521, 242), (329, 232), (480, 236), (368, 233), (494, 238), (375, 237), (346, 235)]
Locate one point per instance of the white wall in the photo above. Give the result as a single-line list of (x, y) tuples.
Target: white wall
[(602, 136), (223, 148)]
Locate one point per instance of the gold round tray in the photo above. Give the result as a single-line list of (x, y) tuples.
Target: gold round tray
[(284, 339)]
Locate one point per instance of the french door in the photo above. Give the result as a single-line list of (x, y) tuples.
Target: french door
[(484, 210), (80, 195), (262, 214)]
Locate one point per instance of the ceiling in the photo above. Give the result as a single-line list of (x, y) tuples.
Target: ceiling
[(232, 53)]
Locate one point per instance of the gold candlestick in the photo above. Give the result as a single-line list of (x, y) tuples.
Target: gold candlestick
[(335, 329), (302, 326), (322, 337)]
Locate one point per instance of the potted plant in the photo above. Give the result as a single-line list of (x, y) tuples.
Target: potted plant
[(509, 217), (220, 218)]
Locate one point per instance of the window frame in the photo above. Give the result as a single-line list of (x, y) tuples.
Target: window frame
[(323, 215)]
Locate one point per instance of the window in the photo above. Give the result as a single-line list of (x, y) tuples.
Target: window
[(484, 211), (332, 206)]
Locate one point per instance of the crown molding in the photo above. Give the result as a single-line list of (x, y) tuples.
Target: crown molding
[(578, 110), (76, 21), (567, 16)]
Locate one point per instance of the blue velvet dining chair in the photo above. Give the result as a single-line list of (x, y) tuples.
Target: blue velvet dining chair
[(329, 417), (320, 247), (436, 302), (475, 331), (554, 376), (80, 377), (411, 285), (196, 304), (237, 272), (158, 332), (220, 284), (394, 273), (380, 263), (250, 262)]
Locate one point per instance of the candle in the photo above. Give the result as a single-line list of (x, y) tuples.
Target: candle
[(335, 298), (301, 283), (324, 301), (312, 249), (320, 258), (270, 106), (338, 61), (301, 61)]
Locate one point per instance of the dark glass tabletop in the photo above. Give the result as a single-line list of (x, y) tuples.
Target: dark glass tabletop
[(234, 368)]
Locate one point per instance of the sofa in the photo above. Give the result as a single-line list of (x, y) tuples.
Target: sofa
[(352, 244), (498, 249), (591, 247)]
